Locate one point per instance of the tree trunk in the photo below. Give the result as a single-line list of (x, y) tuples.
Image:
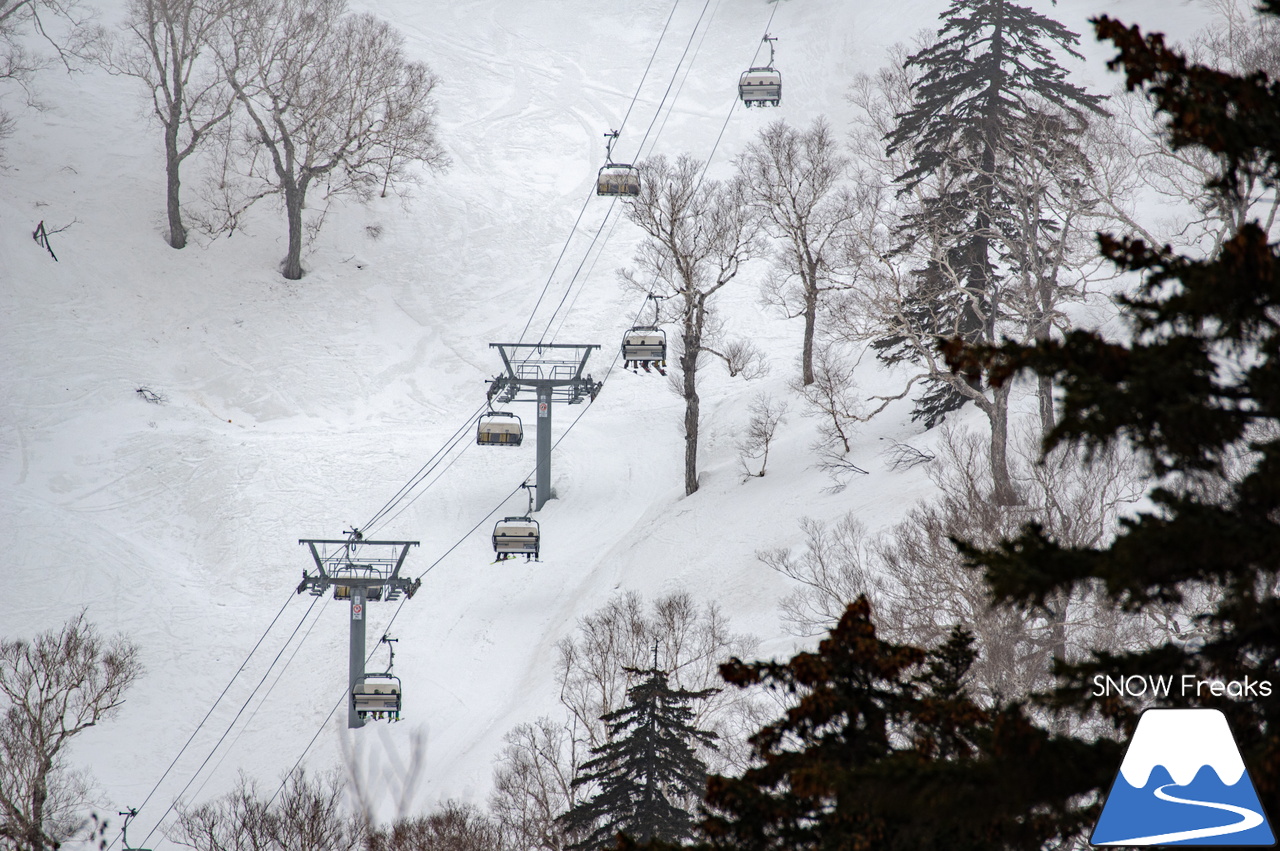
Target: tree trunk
[(173, 183), (294, 195), (810, 321), (689, 389), (1005, 492), (35, 837), (1044, 386)]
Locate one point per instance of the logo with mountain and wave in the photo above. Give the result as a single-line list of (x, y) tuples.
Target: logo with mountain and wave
[(1182, 782)]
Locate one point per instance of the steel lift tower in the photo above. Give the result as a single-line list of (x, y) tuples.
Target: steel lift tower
[(359, 571), (553, 372)]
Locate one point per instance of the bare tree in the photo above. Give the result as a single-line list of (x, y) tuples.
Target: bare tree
[(533, 785), (767, 414), (307, 814), (329, 96), (238, 821), (835, 566), (453, 827), (53, 688), (793, 178), (922, 587), (63, 24), (698, 235), (171, 48), (833, 397)]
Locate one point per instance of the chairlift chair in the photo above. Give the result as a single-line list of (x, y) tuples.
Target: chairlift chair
[(377, 695), (761, 85), (644, 345), (618, 179), (499, 428), (513, 536), (615, 179)]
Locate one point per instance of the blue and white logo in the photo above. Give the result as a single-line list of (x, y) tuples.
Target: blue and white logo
[(1182, 782)]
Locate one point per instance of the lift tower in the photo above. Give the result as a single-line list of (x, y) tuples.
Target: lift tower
[(554, 373), (359, 571)]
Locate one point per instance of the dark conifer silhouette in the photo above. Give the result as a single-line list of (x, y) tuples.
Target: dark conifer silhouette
[(883, 748), (648, 771), (1196, 391)]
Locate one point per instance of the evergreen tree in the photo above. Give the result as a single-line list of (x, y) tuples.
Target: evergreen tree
[(1195, 389), (990, 105), (883, 748), (647, 769)]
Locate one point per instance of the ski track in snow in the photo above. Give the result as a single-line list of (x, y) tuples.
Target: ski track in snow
[(295, 409)]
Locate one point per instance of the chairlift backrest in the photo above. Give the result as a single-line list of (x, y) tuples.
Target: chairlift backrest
[(645, 343), (499, 428), (760, 86), (618, 179), (376, 693), (516, 535)]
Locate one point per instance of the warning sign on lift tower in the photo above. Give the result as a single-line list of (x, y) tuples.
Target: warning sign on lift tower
[(357, 611), (542, 409)]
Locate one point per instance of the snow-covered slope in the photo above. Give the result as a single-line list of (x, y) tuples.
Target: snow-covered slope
[(295, 409)]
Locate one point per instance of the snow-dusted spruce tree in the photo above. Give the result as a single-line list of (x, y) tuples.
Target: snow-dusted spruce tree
[(648, 771), (793, 177), (328, 96), (52, 688), (698, 234), (989, 142), (170, 48), (596, 666)]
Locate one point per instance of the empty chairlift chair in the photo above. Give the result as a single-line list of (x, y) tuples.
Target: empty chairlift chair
[(499, 428), (377, 695), (616, 178), (515, 536), (645, 345), (761, 86)]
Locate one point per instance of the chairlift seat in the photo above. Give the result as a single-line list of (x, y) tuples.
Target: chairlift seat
[(499, 428), (644, 343), (618, 179), (516, 536), (760, 86), (376, 693)]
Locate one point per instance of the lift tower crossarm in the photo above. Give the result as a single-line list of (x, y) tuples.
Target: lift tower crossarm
[(553, 372)]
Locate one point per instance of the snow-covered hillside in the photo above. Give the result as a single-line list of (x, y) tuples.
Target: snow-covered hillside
[(295, 409)]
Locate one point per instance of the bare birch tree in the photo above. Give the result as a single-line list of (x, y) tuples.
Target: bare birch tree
[(330, 97), (171, 47), (52, 689), (307, 814), (698, 235), (793, 178), (533, 784)]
